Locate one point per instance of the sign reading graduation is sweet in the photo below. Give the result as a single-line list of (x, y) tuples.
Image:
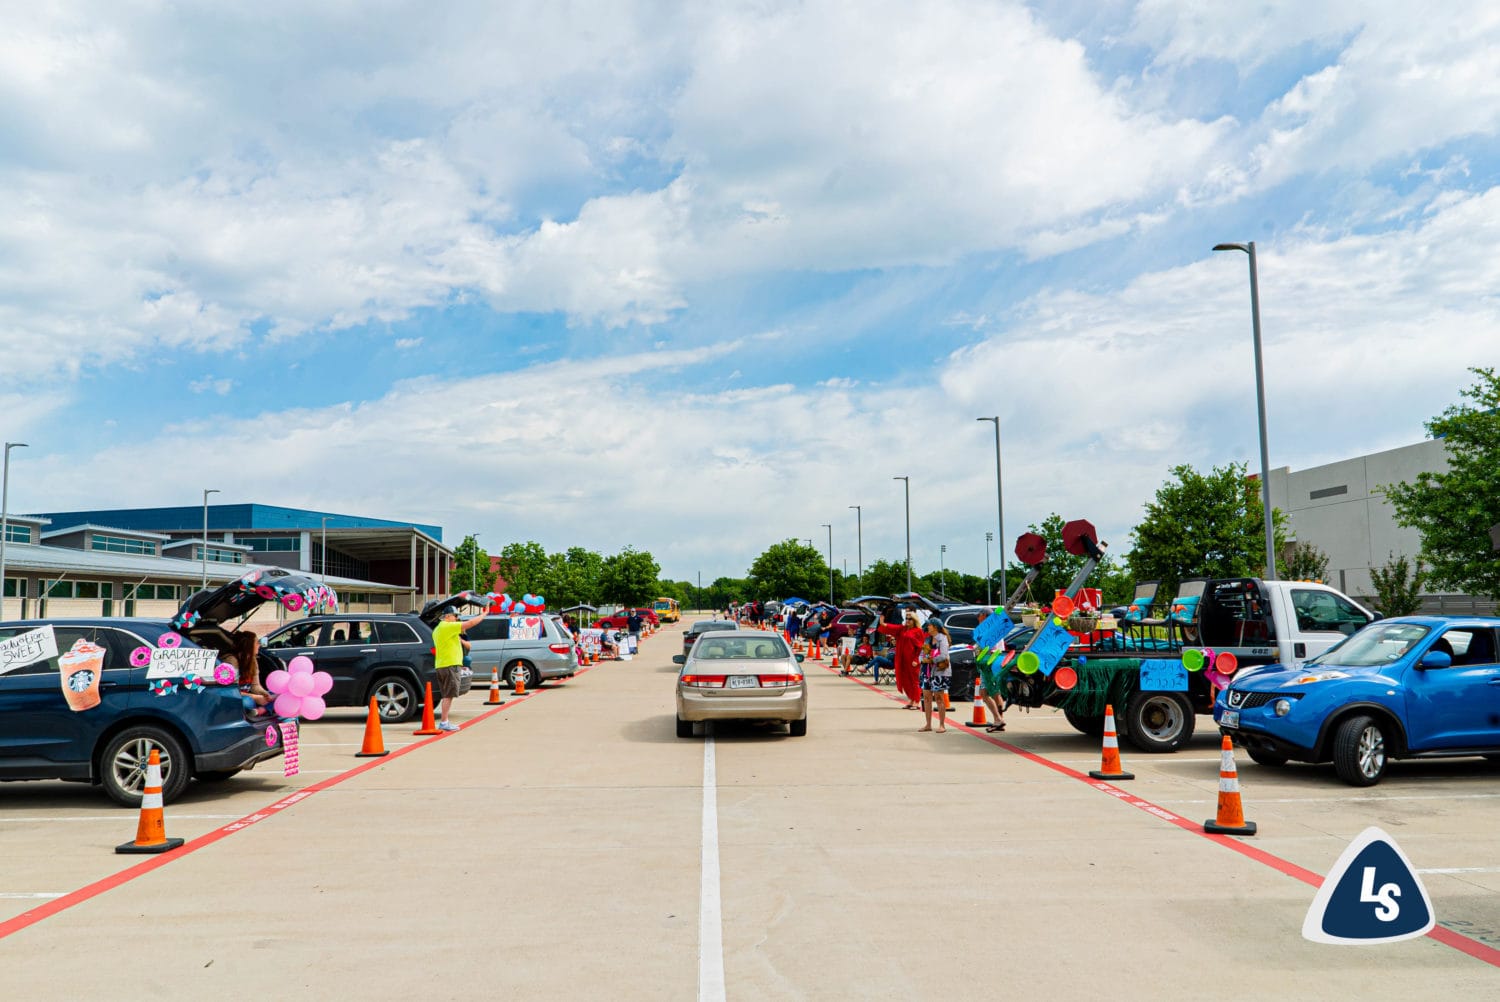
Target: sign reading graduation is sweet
[(1372, 895), (182, 662), (27, 648), (1163, 675)]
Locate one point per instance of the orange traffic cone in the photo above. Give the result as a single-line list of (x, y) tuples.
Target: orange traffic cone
[(520, 680), (1111, 768), (151, 832), (494, 699), (979, 717), (429, 726), (946, 704), (1231, 814), (374, 746)]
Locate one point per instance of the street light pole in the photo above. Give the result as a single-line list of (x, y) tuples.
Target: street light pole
[(989, 596), (206, 493), (907, 482), (999, 507), (5, 519), (1260, 403), (943, 569), (830, 560), (859, 529)]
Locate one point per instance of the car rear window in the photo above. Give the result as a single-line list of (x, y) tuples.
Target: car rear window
[(757, 648), (493, 628), (392, 632)]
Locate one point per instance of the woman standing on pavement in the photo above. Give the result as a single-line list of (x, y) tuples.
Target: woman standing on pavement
[(937, 672), (908, 637)]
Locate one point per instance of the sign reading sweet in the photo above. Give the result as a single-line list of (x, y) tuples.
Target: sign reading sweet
[(180, 662), (27, 648)]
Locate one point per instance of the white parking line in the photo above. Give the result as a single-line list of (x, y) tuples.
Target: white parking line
[(710, 917), (30, 895), (1463, 869), (116, 818)]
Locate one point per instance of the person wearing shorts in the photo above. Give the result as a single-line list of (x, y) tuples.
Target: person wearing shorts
[(989, 678), (448, 656), (937, 673)]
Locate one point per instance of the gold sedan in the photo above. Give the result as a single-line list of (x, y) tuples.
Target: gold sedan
[(741, 677)]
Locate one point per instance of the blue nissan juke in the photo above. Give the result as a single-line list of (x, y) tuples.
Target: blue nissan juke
[(1411, 687)]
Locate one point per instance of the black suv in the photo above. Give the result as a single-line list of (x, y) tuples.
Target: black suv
[(384, 656)]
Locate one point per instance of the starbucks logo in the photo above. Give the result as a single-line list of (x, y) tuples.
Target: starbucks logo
[(81, 681)]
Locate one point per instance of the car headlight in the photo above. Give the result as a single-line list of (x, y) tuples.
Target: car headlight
[(1282, 707)]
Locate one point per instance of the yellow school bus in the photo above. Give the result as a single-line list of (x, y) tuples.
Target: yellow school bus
[(666, 610)]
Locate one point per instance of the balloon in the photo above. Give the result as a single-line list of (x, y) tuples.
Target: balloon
[(313, 707), (301, 663), (322, 682), (277, 680), (300, 685), (287, 705), (1028, 663), (1192, 659)]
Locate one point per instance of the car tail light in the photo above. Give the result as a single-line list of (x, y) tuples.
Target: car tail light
[(559, 648), (704, 681), (769, 681)]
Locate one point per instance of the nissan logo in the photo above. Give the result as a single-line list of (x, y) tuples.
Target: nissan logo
[(1236, 698)]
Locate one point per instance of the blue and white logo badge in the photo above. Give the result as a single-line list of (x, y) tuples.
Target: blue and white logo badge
[(1372, 895)]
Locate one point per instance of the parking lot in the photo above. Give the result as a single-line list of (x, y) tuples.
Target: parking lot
[(557, 846)]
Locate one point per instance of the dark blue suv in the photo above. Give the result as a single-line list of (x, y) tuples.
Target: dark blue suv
[(1412, 687)]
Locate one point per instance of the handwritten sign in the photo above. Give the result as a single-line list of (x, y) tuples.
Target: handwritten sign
[(179, 662), (1050, 644), (993, 630), (27, 648), (526, 628), (1163, 676)]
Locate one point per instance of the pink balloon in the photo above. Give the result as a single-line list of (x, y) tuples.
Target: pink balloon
[(288, 705), (301, 663), (301, 684), (313, 707), (277, 680), (322, 682)]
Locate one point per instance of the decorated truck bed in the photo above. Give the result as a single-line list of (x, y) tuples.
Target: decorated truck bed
[(1159, 672)]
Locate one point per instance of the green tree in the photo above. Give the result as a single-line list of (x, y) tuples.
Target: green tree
[(1398, 586), (1060, 567), (788, 569), (628, 577), (1454, 510), (884, 577), (471, 568), (1305, 563), (1201, 525), (524, 568)]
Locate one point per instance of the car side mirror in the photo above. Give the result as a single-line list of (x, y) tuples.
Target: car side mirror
[(679, 659), (800, 658), (1436, 659)]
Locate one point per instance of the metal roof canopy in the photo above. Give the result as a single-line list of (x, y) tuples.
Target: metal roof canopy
[(371, 544)]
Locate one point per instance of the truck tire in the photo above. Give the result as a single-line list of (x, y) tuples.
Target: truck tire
[(1158, 722), (1359, 751), (1092, 725)]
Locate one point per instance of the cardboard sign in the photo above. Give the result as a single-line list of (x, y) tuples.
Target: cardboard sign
[(526, 628), (27, 648), (179, 662), (1163, 676), (1050, 645), (993, 630)]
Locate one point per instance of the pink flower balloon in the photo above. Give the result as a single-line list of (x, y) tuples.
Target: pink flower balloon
[(301, 663), (288, 705), (301, 684), (322, 682), (277, 680), (313, 707)]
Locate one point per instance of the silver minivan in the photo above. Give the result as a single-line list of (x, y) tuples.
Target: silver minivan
[(534, 648)]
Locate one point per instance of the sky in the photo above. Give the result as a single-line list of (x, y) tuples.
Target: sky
[(697, 278)]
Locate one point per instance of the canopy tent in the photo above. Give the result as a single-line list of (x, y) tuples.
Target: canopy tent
[(794, 601)]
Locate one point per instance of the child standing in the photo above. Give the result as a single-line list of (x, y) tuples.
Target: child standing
[(937, 672)]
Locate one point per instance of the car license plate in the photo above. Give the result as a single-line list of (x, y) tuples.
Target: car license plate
[(744, 682), (1231, 718)]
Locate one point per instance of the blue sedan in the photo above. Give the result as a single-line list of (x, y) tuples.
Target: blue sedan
[(1412, 687)]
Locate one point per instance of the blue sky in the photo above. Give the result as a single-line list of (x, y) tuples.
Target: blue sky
[(696, 279)]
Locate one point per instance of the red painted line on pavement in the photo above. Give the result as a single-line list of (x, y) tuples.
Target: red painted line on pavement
[(109, 883), (1479, 951)]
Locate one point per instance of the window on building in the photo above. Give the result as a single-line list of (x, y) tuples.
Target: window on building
[(121, 544), (219, 555), (77, 589), (272, 544), (17, 533), (149, 592), (15, 587)]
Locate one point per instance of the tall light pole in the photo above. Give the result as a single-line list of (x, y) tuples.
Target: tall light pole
[(5, 518), (907, 482), (859, 530), (999, 507), (1260, 403), (205, 534), (943, 568), (989, 597), (830, 560)]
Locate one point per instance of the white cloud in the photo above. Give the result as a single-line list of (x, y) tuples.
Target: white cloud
[(408, 343), (204, 385)]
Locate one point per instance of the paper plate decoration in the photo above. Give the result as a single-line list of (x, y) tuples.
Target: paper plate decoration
[(299, 690), (1193, 659), (1227, 663), (1028, 663), (1065, 678), (1062, 607)]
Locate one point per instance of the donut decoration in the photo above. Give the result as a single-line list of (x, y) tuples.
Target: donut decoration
[(140, 657), (265, 592), (169, 640), (226, 675), (292, 602)]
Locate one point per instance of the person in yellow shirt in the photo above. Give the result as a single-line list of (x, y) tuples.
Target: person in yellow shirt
[(448, 642)]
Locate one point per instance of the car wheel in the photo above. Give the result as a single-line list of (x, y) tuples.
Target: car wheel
[(216, 775), (1270, 759), (122, 765), (684, 728), (396, 699), (1083, 723), (798, 728), (521, 670), (1158, 722), (1359, 751)]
